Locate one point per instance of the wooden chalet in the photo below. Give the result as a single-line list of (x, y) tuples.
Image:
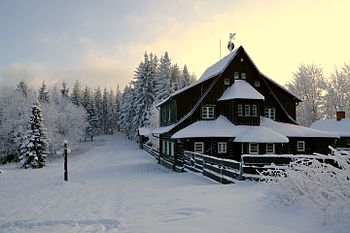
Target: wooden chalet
[(234, 109)]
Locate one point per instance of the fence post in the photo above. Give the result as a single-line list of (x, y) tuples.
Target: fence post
[(65, 161), (241, 168)]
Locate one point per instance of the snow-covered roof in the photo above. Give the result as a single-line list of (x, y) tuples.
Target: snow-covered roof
[(145, 131), (222, 127), (259, 134), (241, 89), (211, 72), (163, 129), (291, 130), (340, 128)]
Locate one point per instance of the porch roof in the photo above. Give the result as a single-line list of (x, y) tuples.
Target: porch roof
[(223, 128), (163, 129)]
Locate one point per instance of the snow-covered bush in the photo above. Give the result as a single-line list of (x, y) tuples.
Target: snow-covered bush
[(314, 183)]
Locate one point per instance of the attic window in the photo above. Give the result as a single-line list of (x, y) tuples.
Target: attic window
[(270, 113), (236, 76), (226, 81), (208, 112), (257, 83), (244, 76)]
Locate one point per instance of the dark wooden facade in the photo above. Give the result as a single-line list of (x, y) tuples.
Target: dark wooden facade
[(185, 108)]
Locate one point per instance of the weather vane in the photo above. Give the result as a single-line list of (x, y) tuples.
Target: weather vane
[(230, 44)]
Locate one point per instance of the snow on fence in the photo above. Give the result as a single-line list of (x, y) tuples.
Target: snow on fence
[(226, 170)]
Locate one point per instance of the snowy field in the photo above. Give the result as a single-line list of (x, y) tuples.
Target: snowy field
[(116, 187)]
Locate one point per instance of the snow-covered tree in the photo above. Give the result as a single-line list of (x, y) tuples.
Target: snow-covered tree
[(338, 94), (162, 79), (118, 96), (99, 107), (43, 93), (55, 93), (34, 144), (64, 90), (23, 88), (175, 78), (14, 114), (309, 84), (185, 78), (127, 110), (77, 94)]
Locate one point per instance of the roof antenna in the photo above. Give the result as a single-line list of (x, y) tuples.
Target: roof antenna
[(230, 44)]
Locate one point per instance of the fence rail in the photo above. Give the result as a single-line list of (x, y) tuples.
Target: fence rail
[(228, 171)]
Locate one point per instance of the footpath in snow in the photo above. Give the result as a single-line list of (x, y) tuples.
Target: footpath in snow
[(116, 187)]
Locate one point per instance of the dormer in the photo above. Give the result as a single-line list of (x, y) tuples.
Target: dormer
[(241, 103)]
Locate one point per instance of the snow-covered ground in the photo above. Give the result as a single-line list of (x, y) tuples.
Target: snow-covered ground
[(116, 187)]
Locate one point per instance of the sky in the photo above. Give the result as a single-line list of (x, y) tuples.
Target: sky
[(102, 42)]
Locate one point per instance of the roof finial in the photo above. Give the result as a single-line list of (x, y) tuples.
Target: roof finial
[(230, 44)]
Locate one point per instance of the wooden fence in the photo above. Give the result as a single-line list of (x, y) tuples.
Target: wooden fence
[(228, 171)]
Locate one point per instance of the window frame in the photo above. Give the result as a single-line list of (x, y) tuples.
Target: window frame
[(222, 147), (273, 148), (244, 76), (268, 113), (172, 149), (240, 110), (207, 114), (247, 110), (195, 147), (301, 149), (254, 110), (236, 75), (255, 152)]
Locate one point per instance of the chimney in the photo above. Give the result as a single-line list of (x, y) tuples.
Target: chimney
[(340, 114)]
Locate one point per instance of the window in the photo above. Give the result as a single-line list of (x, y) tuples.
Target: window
[(247, 110), (169, 115), (348, 142), (243, 76), (270, 113), (257, 83), (208, 112), (236, 76), (270, 148), (222, 147), (300, 146), (240, 110), (163, 147), (253, 148), (226, 81), (254, 110), (199, 147), (168, 148)]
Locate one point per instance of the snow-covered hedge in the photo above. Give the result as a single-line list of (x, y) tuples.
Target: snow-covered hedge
[(312, 183)]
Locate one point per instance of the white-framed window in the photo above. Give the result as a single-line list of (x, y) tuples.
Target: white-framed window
[(247, 110), (172, 148), (270, 113), (300, 146), (199, 147), (240, 110), (253, 148), (226, 81), (236, 75), (270, 148), (169, 115), (208, 112), (222, 147), (257, 83), (254, 110), (243, 76)]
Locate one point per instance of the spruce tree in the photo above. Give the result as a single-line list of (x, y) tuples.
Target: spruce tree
[(43, 93), (185, 78), (65, 90), (77, 94), (23, 88), (34, 144), (162, 79)]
